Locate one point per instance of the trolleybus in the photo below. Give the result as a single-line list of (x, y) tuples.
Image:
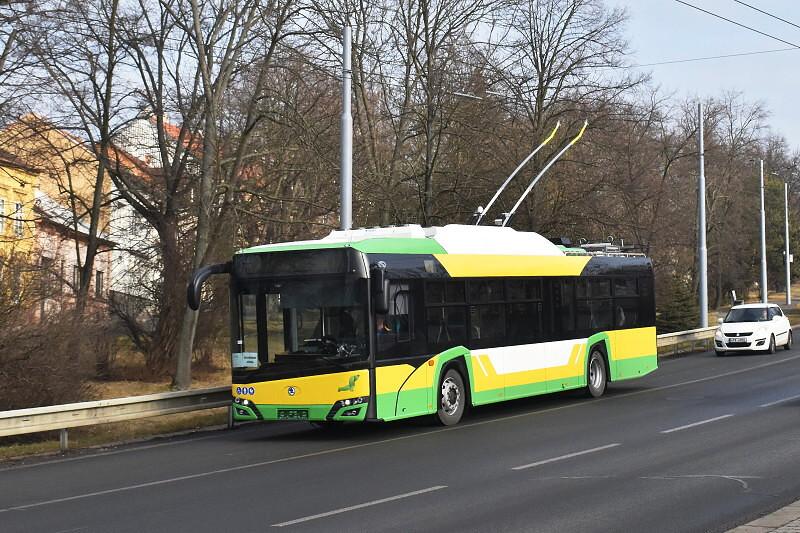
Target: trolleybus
[(389, 323)]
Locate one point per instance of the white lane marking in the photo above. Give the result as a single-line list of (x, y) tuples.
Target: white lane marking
[(461, 427), (776, 402), (567, 456), (360, 506), (700, 423)]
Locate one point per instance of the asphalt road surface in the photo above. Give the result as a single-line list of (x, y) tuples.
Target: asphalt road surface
[(702, 444)]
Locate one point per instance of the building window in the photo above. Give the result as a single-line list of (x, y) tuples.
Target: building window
[(18, 223), (98, 284)]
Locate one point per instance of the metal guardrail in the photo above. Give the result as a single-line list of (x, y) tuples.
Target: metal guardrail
[(71, 415), (686, 341), (63, 417)]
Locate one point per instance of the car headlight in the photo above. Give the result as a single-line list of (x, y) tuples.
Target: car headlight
[(761, 330), (718, 334)]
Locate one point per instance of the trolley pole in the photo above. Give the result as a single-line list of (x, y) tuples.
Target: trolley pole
[(786, 243), (702, 251), (763, 238), (346, 185)]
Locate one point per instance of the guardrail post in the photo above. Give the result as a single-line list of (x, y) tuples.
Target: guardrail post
[(63, 440)]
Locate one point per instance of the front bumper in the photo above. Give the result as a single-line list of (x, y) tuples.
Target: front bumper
[(755, 343), (350, 410)]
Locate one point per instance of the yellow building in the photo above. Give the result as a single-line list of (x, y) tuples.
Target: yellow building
[(18, 183)]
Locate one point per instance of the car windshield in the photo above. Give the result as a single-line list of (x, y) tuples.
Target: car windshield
[(303, 321), (747, 314)]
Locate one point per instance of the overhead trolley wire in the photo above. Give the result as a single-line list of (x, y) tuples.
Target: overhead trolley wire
[(738, 23), (767, 13)]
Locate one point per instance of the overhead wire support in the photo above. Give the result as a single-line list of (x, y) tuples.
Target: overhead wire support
[(550, 163), (482, 213)]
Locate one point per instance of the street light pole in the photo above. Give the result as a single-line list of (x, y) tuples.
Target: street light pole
[(346, 185), (763, 238), (786, 242), (702, 251)]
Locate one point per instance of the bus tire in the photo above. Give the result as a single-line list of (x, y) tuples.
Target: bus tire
[(452, 398), (596, 374)]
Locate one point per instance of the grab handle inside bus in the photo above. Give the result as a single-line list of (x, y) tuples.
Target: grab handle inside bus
[(199, 277), (380, 289)]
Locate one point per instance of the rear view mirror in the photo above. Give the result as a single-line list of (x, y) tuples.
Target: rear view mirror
[(193, 291), (379, 287), (720, 320)]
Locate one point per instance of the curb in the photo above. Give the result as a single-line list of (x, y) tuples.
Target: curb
[(785, 520)]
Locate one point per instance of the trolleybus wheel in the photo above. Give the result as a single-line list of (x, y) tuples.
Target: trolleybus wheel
[(452, 398), (596, 374)]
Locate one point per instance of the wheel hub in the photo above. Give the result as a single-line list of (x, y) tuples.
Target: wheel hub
[(451, 396), (595, 374)]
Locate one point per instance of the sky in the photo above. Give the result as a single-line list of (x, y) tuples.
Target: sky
[(665, 30)]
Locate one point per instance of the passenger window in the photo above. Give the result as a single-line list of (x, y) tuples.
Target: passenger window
[(487, 322), (626, 313), (625, 287), (446, 325), (486, 291), (524, 289)]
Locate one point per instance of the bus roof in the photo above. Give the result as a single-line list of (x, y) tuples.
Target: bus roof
[(414, 239)]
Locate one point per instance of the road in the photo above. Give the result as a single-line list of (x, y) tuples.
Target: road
[(702, 444)]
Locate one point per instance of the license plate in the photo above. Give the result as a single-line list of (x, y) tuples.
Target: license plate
[(737, 340), (292, 414)]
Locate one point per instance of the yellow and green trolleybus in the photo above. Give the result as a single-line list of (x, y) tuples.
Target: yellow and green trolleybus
[(389, 323)]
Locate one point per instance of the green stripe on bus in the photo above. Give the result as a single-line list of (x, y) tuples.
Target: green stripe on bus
[(371, 246), (634, 368)]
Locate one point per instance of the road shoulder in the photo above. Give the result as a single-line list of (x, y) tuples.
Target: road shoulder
[(784, 520)]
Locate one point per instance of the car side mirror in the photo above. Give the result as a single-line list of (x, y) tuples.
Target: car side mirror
[(720, 320), (776, 317)]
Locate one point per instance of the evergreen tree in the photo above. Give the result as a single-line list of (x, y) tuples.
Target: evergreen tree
[(677, 307)]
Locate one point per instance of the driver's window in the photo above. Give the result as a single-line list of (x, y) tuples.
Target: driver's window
[(772, 313)]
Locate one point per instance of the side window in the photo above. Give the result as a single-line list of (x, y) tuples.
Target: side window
[(395, 326), (487, 322), (565, 305), (626, 313), (778, 311), (773, 311), (446, 325)]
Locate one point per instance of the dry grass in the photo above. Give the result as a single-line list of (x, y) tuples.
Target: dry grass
[(107, 434)]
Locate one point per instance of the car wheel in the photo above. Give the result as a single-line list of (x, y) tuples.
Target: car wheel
[(452, 398), (788, 345), (596, 374), (771, 348), (720, 353)]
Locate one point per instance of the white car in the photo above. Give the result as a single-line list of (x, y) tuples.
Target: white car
[(753, 327)]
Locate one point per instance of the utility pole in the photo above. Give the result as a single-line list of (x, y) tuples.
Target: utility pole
[(702, 250), (786, 243), (346, 185), (763, 238)]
